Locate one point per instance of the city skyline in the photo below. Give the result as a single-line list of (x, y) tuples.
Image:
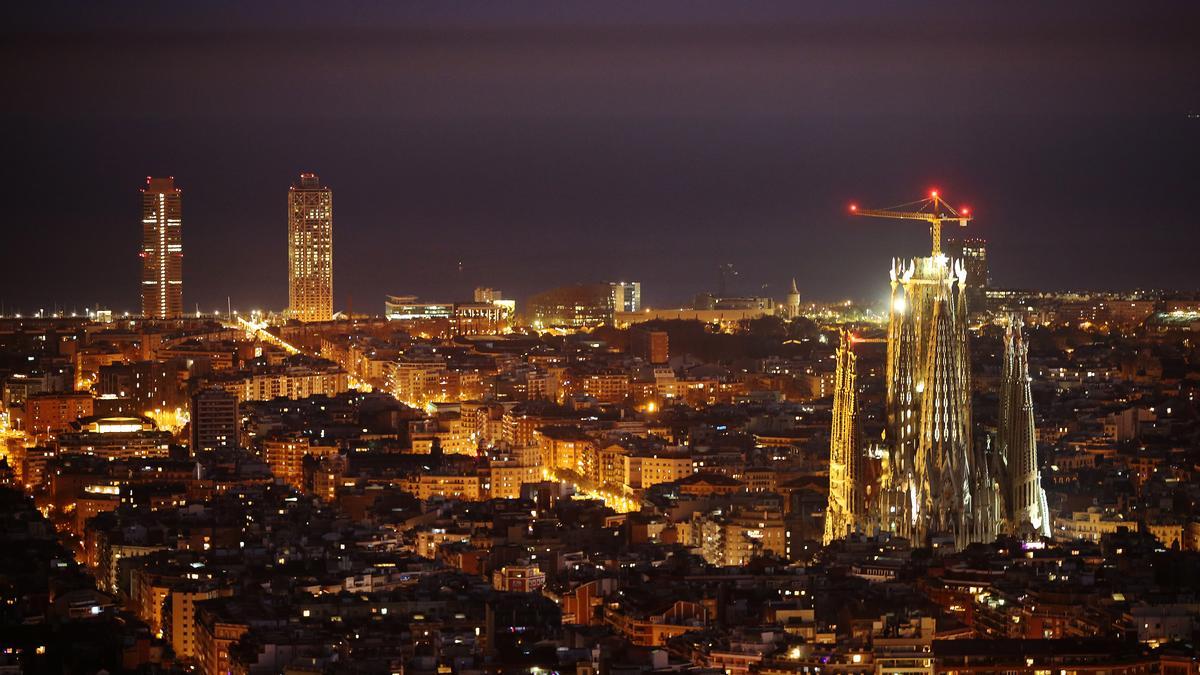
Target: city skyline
[(771, 145), (963, 245), (676, 338)]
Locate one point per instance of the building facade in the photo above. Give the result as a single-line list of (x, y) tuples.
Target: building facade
[(936, 483), (310, 249), (291, 382), (162, 249), (53, 412), (584, 305), (214, 420), (519, 578), (627, 296), (652, 345), (578, 306), (285, 455), (114, 438)]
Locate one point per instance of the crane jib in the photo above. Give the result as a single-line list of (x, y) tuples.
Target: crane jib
[(934, 219)]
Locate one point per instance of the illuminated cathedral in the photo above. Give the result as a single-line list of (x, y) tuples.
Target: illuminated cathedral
[(937, 484)]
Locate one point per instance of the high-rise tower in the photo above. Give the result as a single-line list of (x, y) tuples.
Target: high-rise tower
[(847, 506), (310, 249), (936, 483), (162, 249), (1025, 509)]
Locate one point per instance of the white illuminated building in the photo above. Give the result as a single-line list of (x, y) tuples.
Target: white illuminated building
[(162, 249), (935, 482)]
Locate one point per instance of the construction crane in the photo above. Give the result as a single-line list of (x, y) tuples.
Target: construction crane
[(932, 210)]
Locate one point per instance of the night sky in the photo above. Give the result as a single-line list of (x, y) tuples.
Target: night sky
[(548, 143)]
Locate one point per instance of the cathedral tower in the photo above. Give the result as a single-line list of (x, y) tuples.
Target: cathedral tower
[(1025, 509), (846, 511), (936, 482)]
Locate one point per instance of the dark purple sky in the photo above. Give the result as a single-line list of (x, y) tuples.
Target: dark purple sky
[(547, 143)]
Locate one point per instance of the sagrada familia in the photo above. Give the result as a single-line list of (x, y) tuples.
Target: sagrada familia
[(937, 482)]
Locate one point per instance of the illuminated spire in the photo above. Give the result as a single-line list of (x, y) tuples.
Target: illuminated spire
[(935, 482), (846, 510), (1025, 506)]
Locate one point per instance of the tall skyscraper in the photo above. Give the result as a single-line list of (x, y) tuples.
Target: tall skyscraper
[(162, 249), (936, 483), (846, 512), (1024, 498), (214, 420), (310, 249)]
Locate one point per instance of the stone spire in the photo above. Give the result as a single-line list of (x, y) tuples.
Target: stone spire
[(936, 482), (846, 511), (1025, 510)]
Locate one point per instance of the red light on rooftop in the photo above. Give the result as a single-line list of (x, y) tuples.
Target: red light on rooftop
[(933, 194), (854, 207), (966, 211)]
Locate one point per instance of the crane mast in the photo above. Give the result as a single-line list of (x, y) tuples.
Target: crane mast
[(933, 210)]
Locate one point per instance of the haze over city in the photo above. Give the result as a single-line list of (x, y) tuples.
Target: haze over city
[(588, 141)]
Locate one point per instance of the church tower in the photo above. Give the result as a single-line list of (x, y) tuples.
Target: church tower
[(793, 301), (936, 482), (1025, 509), (847, 505)]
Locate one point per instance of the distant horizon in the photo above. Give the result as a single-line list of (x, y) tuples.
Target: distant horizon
[(7, 311), (522, 149)]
